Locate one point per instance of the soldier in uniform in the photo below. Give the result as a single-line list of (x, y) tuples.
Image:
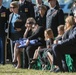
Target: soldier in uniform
[(26, 7), (3, 20)]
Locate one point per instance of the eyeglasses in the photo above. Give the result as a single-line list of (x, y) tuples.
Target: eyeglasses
[(12, 7), (30, 23)]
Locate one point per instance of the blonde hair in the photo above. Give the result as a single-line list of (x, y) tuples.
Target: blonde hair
[(48, 33), (32, 20), (70, 20), (15, 4), (42, 7), (61, 27)]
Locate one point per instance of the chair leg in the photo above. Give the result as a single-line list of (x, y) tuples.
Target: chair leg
[(23, 57), (12, 51)]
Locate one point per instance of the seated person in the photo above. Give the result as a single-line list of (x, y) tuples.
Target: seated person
[(58, 39), (67, 46), (49, 40), (37, 33), (60, 30)]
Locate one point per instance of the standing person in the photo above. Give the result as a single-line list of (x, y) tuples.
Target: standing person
[(16, 25), (6, 3), (73, 8), (3, 20), (16, 19), (54, 17), (41, 19), (36, 8), (27, 8)]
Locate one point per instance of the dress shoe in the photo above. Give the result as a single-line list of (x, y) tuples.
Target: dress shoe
[(14, 62), (55, 70)]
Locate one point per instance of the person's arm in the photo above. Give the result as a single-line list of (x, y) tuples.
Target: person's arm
[(37, 33), (61, 17), (71, 40), (26, 32)]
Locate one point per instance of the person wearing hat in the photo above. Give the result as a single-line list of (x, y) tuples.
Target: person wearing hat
[(55, 16)]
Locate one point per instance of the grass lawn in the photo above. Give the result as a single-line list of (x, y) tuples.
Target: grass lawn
[(8, 69)]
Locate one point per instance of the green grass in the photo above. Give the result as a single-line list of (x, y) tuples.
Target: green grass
[(8, 69)]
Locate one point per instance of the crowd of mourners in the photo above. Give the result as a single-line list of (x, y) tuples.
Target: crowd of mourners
[(43, 33)]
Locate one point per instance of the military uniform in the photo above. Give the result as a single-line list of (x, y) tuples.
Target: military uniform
[(3, 20), (27, 8)]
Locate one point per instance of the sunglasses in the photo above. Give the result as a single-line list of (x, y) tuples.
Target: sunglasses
[(30, 23), (12, 7)]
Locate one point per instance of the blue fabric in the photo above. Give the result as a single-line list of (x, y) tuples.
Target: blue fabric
[(22, 42), (15, 17)]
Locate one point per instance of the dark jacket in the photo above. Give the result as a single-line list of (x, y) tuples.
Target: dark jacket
[(71, 40), (27, 8), (41, 20), (38, 34), (54, 19), (3, 19)]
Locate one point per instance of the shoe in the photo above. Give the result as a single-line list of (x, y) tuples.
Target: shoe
[(29, 67), (14, 62), (57, 70), (17, 67), (64, 66), (44, 66), (52, 70), (33, 60)]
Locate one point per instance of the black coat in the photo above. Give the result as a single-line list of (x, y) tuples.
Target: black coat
[(54, 19), (38, 34), (41, 20)]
